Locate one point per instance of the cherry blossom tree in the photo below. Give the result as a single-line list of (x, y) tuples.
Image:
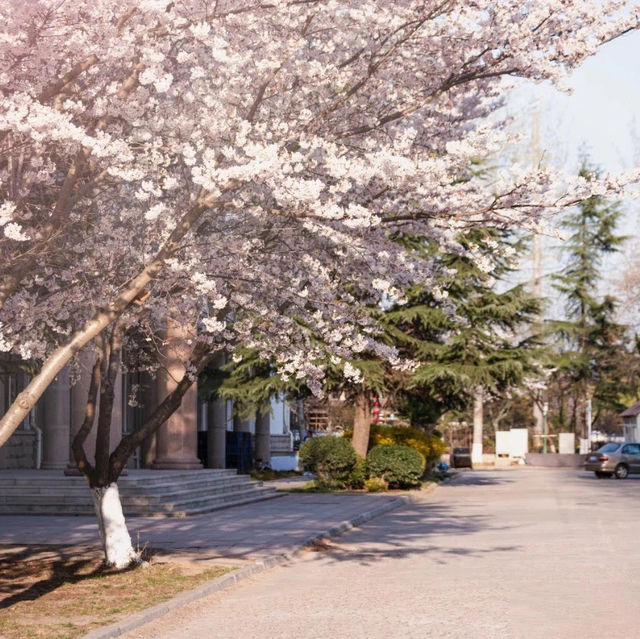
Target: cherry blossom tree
[(243, 166)]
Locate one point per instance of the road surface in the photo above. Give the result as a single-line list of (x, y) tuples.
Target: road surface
[(515, 554)]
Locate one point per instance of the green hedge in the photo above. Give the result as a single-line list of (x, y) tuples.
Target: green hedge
[(359, 474), (399, 466), (331, 459)]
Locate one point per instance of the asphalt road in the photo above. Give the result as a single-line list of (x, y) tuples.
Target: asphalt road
[(505, 554)]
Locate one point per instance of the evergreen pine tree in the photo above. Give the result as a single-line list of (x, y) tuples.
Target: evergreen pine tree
[(476, 340), (591, 346)]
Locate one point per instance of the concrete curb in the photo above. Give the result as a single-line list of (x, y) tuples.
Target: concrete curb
[(226, 581)]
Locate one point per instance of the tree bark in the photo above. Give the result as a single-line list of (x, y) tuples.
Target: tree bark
[(111, 365), (362, 423), (77, 444), (102, 479)]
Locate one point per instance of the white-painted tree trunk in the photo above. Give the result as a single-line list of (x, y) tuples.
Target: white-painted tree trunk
[(116, 541)]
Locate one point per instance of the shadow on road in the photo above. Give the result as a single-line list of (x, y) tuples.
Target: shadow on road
[(411, 532), (471, 478)]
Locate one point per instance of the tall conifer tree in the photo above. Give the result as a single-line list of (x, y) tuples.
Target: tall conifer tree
[(591, 346)]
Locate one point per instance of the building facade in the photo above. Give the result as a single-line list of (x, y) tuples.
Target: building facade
[(200, 434)]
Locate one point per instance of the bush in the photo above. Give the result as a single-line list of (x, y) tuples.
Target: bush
[(330, 459), (399, 466), (359, 474), (376, 485)]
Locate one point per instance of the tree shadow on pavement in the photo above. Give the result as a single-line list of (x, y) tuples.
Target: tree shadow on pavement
[(412, 532), (29, 573), (470, 478)]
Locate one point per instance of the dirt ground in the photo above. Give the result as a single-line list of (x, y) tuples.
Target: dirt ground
[(58, 592)]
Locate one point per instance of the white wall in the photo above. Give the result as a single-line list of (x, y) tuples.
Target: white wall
[(279, 421)]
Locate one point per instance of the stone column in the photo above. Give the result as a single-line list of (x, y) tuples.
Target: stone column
[(56, 423), (241, 425), (263, 438), (177, 438), (538, 428), (217, 433)]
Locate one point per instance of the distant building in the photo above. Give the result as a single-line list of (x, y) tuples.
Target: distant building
[(631, 418)]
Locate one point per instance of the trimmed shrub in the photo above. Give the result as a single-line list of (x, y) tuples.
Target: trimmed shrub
[(330, 459), (399, 466), (376, 485), (359, 474)]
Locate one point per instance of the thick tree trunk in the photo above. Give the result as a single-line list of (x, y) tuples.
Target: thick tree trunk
[(116, 541), (362, 423)]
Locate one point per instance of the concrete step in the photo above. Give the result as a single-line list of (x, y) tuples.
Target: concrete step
[(160, 490), (155, 497), (190, 484), (238, 501), (183, 508), (170, 510), (135, 478), (143, 493), (51, 491), (125, 482)]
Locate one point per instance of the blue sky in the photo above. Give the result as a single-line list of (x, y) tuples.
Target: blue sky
[(601, 114), (602, 110)]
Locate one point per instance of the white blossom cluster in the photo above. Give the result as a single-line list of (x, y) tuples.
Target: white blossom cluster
[(257, 160)]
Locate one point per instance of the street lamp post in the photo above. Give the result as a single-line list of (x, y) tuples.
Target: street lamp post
[(591, 387), (545, 426), (589, 418)]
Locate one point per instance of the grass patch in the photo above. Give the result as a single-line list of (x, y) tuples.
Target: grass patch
[(311, 487), (53, 595), (269, 475), (315, 487)]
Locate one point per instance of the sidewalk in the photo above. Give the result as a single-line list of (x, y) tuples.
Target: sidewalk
[(242, 534), (253, 537)]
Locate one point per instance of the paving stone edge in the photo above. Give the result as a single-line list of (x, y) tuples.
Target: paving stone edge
[(226, 581)]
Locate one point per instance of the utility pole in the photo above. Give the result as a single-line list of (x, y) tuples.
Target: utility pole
[(536, 286), (589, 416)]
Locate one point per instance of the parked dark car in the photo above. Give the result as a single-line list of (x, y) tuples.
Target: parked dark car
[(460, 458)]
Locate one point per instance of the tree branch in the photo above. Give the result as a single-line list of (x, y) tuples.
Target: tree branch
[(77, 445), (199, 358)]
